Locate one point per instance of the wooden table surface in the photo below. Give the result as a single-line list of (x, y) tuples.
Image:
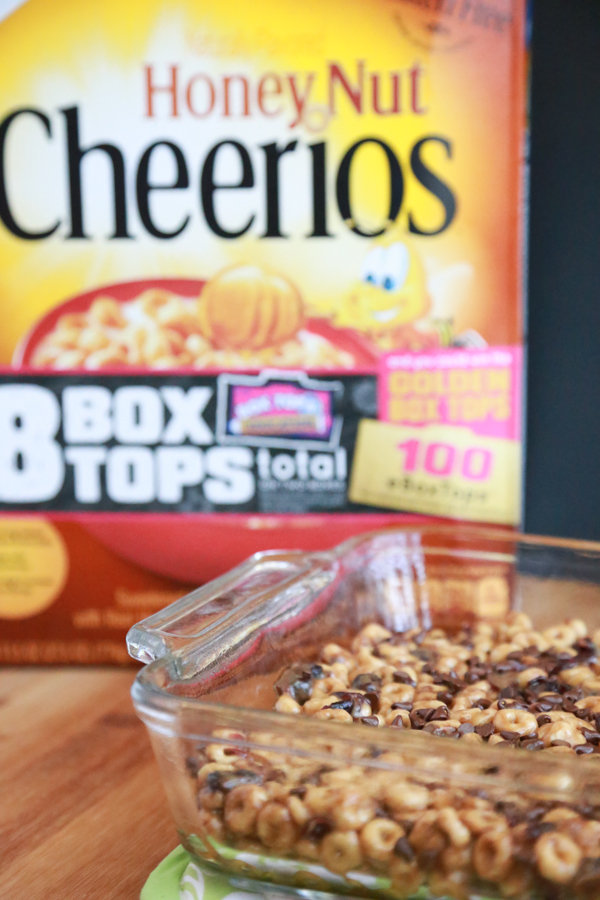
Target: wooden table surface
[(83, 815)]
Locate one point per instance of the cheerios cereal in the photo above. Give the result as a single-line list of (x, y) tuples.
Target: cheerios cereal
[(161, 330), (517, 692)]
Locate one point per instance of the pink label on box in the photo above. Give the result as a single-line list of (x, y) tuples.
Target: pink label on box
[(476, 389), (280, 409)]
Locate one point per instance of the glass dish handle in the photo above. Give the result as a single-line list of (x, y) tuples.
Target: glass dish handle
[(176, 628)]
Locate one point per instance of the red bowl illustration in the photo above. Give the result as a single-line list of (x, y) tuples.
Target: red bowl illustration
[(192, 547), (359, 347), (197, 547)]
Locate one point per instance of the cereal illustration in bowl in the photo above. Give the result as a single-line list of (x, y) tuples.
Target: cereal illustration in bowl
[(244, 318)]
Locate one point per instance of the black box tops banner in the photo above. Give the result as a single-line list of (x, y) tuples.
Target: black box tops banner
[(274, 442)]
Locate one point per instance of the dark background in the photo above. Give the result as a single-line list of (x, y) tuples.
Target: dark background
[(562, 477)]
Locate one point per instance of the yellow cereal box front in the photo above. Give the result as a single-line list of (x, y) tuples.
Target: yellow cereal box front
[(233, 239)]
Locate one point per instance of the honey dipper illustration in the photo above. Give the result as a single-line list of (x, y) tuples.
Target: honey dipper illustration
[(248, 308)]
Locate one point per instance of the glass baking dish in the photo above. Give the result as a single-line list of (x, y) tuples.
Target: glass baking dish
[(207, 696)]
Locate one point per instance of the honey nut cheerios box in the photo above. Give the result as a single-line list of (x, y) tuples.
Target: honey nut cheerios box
[(260, 285)]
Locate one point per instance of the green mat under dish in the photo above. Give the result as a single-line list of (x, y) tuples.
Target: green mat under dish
[(179, 877)]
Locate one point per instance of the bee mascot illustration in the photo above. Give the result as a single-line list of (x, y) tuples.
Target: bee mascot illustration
[(391, 302)]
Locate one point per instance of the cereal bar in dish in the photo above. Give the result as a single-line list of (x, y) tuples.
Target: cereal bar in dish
[(406, 716)]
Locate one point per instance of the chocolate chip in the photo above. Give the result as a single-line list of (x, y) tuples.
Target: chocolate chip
[(583, 749), (300, 690), (453, 684), (441, 730), (559, 744), (366, 682), (213, 781), (317, 672), (404, 678), (298, 792), (481, 704), (592, 737), (227, 781), (536, 829), (369, 720), (572, 662), (536, 812), (512, 704), (192, 766), (317, 828), (541, 685), (510, 735), (466, 728), (505, 704), (532, 744), (373, 699), (417, 720), (480, 672), (509, 665), (346, 705), (485, 731), (441, 712), (550, 700), (511, 811), (398, 723), (240, 776), (297, 682), (542, 707), (405, 706), (315, 777), (543, 720), (352, 703), (445, 697), (509, 693), (403, 850), (277, 775)]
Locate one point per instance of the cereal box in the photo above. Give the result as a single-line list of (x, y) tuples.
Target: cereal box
[(260, 286)]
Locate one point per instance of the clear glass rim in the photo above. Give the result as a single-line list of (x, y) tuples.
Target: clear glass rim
[(169, 714)]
